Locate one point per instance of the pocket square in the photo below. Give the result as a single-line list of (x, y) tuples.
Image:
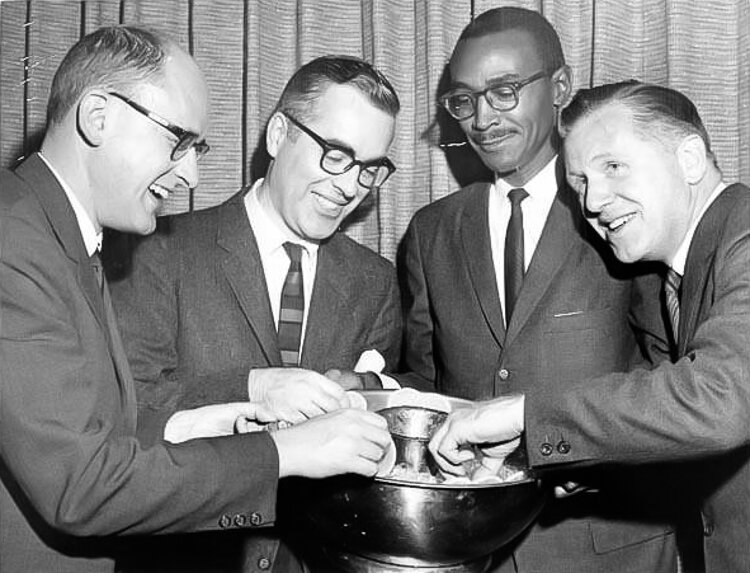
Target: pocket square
[(563, 314)]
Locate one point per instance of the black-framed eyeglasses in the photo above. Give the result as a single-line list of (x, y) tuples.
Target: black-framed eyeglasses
[(336, 160), (185, 139), (462, 104)]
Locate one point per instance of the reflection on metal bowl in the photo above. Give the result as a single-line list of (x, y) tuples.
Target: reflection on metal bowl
[(416, 525), (419, 525)]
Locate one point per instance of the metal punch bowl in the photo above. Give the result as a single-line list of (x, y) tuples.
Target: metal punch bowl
[(418, 525)]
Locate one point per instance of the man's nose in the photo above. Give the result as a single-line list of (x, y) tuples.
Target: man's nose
[(187, 168), (484, 115), (348, 183), (597, 197)]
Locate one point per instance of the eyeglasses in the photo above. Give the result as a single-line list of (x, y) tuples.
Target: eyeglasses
[(337, 160), (185, 139), (462, 104)]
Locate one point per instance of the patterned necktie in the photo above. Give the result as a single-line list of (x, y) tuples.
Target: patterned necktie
[(672, 283), (514, 263), (292, 308)]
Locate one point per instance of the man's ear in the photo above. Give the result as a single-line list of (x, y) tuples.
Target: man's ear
[(562, 81), (91, 117), (276, 131), (691, 155)]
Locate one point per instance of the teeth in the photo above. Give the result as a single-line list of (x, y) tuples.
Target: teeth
[(159, 191), (620, 221)]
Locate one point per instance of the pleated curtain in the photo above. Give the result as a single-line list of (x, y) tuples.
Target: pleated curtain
[(248, 49)]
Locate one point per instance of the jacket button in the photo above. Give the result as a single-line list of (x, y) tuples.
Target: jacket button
[(225, 521), (255, 518), (708, 529), (240, 520), (264, 563), (563, 447), (546, 449), (503, 374)]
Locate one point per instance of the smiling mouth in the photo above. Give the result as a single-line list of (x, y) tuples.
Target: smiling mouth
[(330, 204), (616, 225), (494, 139), (158, 191)]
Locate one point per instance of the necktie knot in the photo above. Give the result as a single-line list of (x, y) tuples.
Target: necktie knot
[(294, 252), (96, 263), (673, 280), (515, 196)]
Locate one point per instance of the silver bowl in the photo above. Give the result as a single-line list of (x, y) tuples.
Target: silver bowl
[(415, 524)]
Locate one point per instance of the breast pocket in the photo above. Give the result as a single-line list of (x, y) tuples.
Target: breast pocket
[(587, 343)]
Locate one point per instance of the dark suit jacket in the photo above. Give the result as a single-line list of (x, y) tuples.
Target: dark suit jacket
[(71, 471), (695, 409), (195, 315), (570, 323)]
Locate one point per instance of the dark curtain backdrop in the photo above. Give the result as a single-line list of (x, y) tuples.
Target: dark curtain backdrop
[(249, 48)]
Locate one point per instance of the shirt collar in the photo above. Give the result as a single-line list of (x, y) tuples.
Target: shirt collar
[(268, 235), (542, 185), (92, 239), (680, 258)]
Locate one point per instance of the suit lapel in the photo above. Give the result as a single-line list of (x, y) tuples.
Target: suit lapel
[(329, 300), (549, 259), (475, 238), (62, 220), (699, 261), (240, 261)]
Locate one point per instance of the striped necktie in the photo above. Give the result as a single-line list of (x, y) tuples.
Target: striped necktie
[(292, 308), (514, 263), (672, 282)]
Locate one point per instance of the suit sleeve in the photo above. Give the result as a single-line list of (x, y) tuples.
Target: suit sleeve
[(146, 302), (417, 358), (67, 447), (695, 407)]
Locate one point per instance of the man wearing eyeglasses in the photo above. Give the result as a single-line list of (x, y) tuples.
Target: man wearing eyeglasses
[(262, 297), (506, 290), (126, 121)]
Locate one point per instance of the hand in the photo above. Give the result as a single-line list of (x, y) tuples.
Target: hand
[(495, 425), (350, 380), (295, 394), (213, 420), (344, 441)]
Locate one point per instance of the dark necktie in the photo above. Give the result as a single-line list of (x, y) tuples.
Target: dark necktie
[(672, 283), (514, 263), (292, 308), (96, 263)]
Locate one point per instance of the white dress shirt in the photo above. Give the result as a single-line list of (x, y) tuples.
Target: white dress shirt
[(270, 239), (535, 208)]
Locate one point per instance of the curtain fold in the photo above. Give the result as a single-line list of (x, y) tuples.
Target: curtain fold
[(248, 49)]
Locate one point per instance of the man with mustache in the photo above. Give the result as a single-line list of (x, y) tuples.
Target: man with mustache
[(506, 290), (640, 159), (208, 307)]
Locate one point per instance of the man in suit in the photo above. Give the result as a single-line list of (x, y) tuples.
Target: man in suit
[(639, 157), (492, 311), (126, 121), (201, 306)]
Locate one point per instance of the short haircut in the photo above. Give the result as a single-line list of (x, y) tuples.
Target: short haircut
[(509, 18), (304, 89), (659, 114), (110, 58)]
